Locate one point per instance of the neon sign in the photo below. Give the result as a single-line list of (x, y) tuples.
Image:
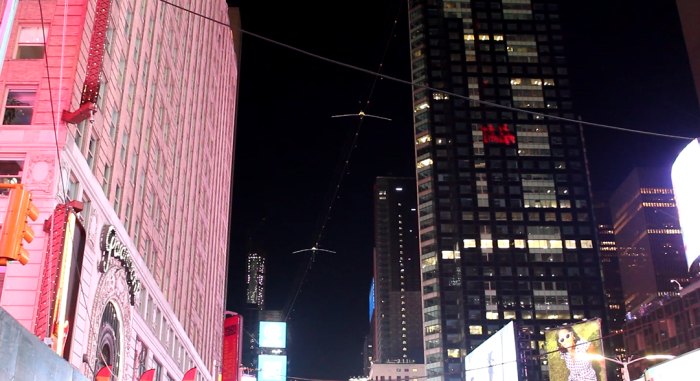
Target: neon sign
[(501, 135), (112, 247)]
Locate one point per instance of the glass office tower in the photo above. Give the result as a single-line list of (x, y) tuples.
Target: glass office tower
[(505, 215)]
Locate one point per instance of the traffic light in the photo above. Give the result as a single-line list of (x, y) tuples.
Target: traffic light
[(15, 229)]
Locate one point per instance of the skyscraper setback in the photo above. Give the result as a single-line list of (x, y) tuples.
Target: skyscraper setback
[(396, 322), (506, 228), (648, 237)]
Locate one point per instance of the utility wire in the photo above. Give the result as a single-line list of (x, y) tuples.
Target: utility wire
[(485, 103), (61, 187), (341, 170), (53, 112)]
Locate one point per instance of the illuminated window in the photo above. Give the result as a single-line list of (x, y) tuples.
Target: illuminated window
[(656, 191), (423, 139), (664, 231), (19, 107), (516, 81), (453, 353), (586, 244), (510, 315), (659, 204), (30, 44), (570, 243), (475, 330), (421, 106), (486, 244), (440, 96), (537, 244), (424, 163), (469, 243), (492, 315), (469, 37), (484, 37), (498, 37), (503, 243), (519, 244), (555, 244), (548, 82)]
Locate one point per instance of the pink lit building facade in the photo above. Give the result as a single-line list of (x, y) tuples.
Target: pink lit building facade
[(155, 163)]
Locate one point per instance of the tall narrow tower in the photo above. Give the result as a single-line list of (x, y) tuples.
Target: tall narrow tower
[(397, 322)]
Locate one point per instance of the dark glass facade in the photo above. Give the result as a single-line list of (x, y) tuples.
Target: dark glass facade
[(505, 215), (668, 326), (648, 236), (397, 323)]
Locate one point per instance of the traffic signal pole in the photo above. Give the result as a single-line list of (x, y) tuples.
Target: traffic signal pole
[(15, 229)]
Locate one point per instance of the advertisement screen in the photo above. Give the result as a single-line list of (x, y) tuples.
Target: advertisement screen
[(233, 342), (273, 334), (675, 370), (686, 186), (371, 301), (567, 347), (495, 359), (272, 368)]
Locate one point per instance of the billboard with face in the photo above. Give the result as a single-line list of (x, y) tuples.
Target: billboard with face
[(686, 186), (495, 359), (568, 349)]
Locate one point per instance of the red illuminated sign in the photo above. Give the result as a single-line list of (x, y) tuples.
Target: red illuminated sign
[(501, 135), (233, 341)]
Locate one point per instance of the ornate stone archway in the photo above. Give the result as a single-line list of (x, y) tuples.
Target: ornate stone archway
[(112, 288)]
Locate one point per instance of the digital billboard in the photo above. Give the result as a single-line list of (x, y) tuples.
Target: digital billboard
[(499, 353), (675, 370), (567, 348), (371, 301), (272, 368), (233, 343), (273, 334), (686, 187)]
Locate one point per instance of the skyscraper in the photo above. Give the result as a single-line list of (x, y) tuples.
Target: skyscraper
[(254, 305), (396, 323), (506, 231), (129, 108), (255, 278), (648, 236), (610, 262)]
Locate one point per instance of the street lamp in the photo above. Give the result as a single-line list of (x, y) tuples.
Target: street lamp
[(624, 364)]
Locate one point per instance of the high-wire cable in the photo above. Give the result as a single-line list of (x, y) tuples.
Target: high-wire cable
[(341, 170), (455, 95)]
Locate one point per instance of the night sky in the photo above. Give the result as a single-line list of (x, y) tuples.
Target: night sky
[(628, 68)]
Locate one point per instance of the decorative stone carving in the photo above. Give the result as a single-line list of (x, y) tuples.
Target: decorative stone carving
[(40, 174), (111, 288), (92, 228)]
